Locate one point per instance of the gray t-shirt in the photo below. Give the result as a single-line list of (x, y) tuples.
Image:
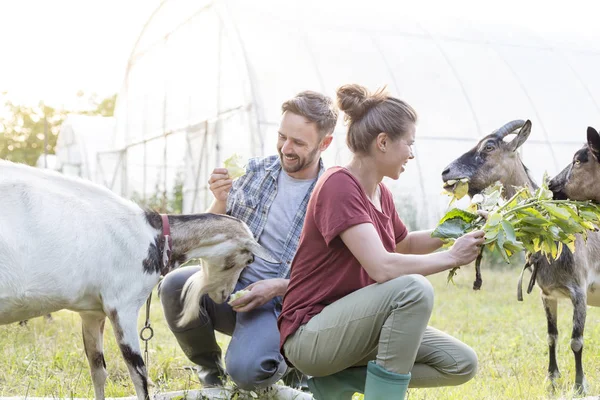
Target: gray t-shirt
[(290, 193)]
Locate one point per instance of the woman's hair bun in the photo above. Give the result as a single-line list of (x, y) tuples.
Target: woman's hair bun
[(355, 100)]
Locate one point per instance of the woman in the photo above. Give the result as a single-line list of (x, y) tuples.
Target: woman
[(357, 294)]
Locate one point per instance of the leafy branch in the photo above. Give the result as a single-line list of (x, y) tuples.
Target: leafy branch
[(527, 221)]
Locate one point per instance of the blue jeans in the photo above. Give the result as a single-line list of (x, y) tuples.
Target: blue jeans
[(253, 360)]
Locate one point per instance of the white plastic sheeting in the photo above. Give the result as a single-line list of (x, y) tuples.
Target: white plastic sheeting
[(207, 79), (79, 142)]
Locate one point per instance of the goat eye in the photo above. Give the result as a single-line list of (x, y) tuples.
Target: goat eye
[(577, 162), (488, 147)]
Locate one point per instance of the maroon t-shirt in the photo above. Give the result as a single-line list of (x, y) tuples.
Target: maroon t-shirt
[(324, 270)]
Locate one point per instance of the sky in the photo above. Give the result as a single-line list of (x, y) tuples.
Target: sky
[(51, 49)]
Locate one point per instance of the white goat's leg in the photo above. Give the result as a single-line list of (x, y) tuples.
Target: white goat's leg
[(124, 324), (92, 327)]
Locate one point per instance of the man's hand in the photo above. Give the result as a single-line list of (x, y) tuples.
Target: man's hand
[(220, 184), (261, 293)]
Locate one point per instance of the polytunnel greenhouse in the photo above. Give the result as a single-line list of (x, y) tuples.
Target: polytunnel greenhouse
[(82, 139), (207, 79)]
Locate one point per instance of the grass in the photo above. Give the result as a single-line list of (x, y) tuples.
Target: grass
[(46, 358)]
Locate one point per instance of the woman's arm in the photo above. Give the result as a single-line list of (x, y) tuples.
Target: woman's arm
[(364, 243), (419, 242)]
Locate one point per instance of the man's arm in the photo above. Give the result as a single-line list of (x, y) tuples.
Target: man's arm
[(217, 207)]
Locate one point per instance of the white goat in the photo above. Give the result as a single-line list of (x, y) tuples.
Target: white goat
[(69, 244)]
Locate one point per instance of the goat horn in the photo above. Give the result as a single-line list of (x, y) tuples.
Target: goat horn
[(509, 127)]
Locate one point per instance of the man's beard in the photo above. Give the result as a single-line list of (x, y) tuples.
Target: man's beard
[(301, 163)]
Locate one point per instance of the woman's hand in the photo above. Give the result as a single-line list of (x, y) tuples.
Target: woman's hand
[(466, 248)]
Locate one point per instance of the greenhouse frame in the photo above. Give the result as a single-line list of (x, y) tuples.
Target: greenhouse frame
[(206, 80)]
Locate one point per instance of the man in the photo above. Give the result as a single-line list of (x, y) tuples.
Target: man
[(271, 198)]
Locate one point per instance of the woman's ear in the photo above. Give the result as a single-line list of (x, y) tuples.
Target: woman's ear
[(382, 141)]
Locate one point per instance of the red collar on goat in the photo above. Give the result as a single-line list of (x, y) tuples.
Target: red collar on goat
[(168, 244)]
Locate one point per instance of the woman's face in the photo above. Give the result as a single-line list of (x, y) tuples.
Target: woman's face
[(396, 153)]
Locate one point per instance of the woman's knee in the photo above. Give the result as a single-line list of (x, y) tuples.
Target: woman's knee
[(415, 288), (468, 366)]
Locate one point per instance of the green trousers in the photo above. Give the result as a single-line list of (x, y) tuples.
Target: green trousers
[(386, 323)]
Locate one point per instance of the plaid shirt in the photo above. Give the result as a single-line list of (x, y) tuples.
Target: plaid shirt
[(251, 197)]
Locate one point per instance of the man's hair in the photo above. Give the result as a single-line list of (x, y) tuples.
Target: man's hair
[(316, 108)]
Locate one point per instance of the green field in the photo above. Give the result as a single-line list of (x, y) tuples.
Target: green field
[(47, 359)]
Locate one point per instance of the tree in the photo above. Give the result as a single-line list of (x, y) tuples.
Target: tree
[(23, 128), (104, 107)]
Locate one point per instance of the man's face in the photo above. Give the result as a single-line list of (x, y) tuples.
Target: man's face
[(298, 144)]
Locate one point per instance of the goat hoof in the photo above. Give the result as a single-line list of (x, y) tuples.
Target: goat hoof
[(581, 389), (552, 379)]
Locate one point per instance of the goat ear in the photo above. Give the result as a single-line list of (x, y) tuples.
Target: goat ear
[(522, 136), (593, 139), (260, 251)]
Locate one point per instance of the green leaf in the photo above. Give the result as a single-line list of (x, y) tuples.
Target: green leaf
[(557, 211), (454, 224), (493, 220), (537, 244), (502, 251), (501, 239), (532, 212), (535, 230), (544, 194), (461, 189), (492, 196), (535, 221), (451, 274), (589, 216), (509, 231), (451, 228), (514, 247), (491, 234), (235, 166), (549, 248), (554, 230)]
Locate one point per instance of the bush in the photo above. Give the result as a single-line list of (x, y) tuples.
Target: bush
[(161, 201)]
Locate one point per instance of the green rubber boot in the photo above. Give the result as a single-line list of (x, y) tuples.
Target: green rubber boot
[(339, 386), (382, 384)]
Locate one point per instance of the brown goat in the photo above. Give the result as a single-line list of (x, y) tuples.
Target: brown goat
[(574, 276)]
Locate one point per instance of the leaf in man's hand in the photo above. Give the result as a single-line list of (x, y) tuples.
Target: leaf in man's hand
[(235, 166)]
